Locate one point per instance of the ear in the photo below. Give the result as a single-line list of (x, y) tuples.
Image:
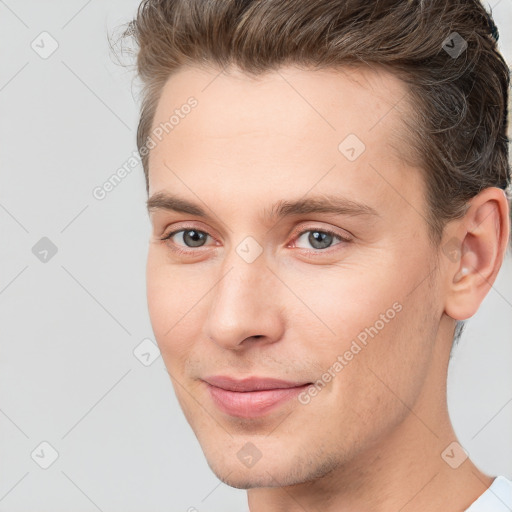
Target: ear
[(473, 250)]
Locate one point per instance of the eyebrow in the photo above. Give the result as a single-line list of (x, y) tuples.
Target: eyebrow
[(324, 203)]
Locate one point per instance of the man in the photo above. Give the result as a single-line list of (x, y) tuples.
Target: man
[(327, 186)]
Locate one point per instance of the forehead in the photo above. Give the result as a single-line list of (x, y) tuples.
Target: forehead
[(282, 129), (304, 89)]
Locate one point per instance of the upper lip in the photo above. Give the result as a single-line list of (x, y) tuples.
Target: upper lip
[(250, 383)]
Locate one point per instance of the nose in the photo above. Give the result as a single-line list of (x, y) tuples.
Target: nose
[(245, 305)]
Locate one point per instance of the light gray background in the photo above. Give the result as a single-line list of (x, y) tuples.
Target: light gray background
[(68, 375)]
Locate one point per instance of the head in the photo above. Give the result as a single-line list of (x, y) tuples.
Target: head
[(339, 176)]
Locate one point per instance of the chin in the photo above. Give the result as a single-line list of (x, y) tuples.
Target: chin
[(267, 473), (243, 478), (246, 481), (228, 468)]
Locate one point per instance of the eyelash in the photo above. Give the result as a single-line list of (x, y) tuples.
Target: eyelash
[(180, 251)]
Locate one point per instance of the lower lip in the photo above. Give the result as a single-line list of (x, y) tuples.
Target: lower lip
[(252, 404)]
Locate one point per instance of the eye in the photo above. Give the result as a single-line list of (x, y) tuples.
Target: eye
[(190, 237), (321, 239)]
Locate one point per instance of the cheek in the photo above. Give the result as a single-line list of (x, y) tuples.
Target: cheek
[(390, 367), (373, 323), (161, 296), (169, 311), (348, 302)]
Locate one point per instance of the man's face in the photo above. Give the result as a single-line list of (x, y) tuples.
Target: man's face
[(279, 297)]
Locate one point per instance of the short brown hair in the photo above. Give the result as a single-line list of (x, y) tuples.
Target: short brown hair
[(459, 102)]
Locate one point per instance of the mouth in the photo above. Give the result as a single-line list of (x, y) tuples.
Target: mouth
[(251, 397)]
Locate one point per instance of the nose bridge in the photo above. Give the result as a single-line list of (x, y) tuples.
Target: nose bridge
[(241, 303)]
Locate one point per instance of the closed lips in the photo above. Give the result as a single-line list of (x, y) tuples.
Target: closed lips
[(251, 383)]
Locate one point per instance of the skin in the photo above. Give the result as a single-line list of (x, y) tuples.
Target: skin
[(372, 438)]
